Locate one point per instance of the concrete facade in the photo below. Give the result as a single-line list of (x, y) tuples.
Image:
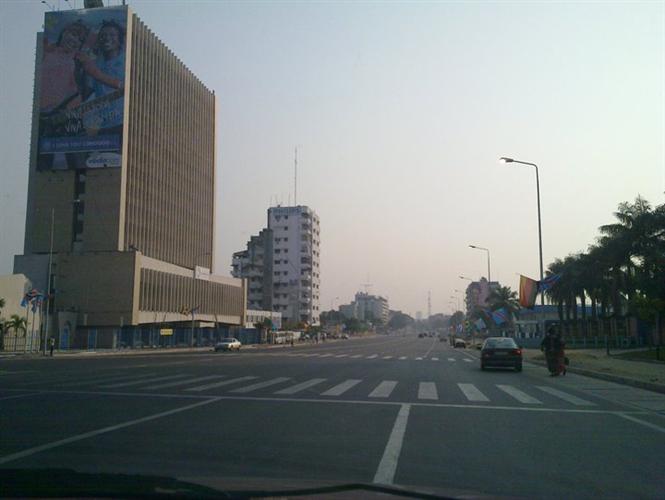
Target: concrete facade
[(366, 307), (281, 265), (255, 265), (295, 277)]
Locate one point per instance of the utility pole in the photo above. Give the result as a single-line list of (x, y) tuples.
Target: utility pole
[(429, 304), (48, 280), (295, 179)]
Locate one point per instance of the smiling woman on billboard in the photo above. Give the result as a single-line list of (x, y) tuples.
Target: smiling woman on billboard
[(82, 89)]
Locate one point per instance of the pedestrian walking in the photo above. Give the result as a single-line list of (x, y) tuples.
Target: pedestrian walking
[(51, 344), (553, 346)]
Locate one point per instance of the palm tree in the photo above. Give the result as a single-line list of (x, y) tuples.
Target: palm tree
[(17, 323), (504, 297)]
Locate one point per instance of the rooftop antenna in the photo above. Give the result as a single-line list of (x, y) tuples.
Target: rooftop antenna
[(295, 179), (367, 285)]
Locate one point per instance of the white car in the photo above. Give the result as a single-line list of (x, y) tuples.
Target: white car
[(228, 345), (460, 343)]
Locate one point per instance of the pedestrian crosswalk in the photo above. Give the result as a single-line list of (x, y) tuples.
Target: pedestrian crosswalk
[(427, 391), (329, 356)]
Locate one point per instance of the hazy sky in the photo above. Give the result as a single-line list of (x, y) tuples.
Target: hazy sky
[(400, 111)]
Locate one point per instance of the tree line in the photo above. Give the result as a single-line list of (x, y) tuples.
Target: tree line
[(621, 275)]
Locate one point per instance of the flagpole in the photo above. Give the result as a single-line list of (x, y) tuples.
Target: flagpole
[(48, 280)]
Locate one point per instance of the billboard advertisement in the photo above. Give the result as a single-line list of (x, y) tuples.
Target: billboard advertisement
[(81, 102)]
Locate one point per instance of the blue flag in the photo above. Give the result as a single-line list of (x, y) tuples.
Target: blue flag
[(500, 316), (548, 282)]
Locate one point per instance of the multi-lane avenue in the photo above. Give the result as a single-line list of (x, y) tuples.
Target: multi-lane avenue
[(387, 410)]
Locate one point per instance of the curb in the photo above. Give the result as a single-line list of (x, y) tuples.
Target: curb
[(612, 378)]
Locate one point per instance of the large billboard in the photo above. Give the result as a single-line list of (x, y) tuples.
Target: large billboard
[(82, 95)]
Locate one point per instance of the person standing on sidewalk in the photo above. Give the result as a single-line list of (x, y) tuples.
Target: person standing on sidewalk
[(51, 344), (553, 346)]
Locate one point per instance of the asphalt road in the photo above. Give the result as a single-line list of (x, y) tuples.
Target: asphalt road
[(388, 410)]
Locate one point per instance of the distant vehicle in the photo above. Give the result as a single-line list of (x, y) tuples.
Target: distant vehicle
[(460, 343), (229, 344), (421, 335), (345, 336), (501, 352)]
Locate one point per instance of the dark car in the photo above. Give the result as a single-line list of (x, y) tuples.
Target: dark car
[(501, 352)]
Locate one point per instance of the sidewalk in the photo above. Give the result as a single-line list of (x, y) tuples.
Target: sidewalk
[(170, 350), (595, 363)]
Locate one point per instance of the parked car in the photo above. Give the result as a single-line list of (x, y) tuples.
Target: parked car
[(229, 344), (460, 343), (345, 336), (501, 352)]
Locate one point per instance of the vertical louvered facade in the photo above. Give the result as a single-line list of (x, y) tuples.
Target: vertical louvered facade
[(170, 170)]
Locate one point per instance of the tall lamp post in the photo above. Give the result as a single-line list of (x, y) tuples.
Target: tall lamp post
[(194, 277), (489, 277), (540, 231)]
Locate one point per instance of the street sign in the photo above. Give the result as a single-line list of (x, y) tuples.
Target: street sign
[(166, 331)]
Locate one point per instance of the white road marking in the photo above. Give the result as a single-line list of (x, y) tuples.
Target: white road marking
[(402, 357), (427, 390), (637, 421), (220, 384), (143, 381), (419, 359), (99, 380), (301, 387), (467, 360), (435, 359), (520, 396), (181, 382), (180, 395), (104, 430), (340, 389), (472, 393), (325, 355), (372, 356), (357, 356), (20, 396), (565, 396), (384, 389), (260, 385), (341, 356), (385, 473), (452, 359)]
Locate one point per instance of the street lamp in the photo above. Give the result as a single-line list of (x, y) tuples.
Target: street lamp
[(194, 307), (489, 279), (540, 230), (50, 270)]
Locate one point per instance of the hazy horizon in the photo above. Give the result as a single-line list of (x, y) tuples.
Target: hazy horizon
[(400, 112)]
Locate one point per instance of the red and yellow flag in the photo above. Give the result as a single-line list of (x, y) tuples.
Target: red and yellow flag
[(528, 292)]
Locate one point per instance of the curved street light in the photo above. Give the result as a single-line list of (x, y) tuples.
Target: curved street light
[(504, 159), (489, 278)]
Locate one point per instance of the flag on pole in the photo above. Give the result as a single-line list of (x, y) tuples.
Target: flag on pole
[(500, 316), (548, 282), (528, 292)]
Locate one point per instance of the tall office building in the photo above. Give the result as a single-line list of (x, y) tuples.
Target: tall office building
[(122, 185), (284, 272)]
